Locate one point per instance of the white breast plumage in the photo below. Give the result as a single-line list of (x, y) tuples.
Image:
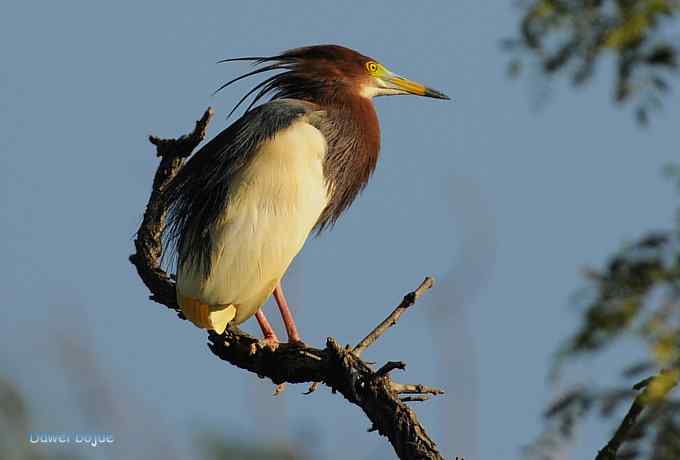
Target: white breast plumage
[(273, 205)]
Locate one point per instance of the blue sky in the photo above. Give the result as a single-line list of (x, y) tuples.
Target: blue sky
[(502, 203)]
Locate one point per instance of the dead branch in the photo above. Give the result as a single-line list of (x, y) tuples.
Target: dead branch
[(340, 368), (391, 320), (415, 389)]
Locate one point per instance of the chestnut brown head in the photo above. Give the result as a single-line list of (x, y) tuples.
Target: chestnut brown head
[(322, 72)]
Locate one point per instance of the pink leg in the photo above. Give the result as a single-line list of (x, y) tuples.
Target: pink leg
[(270, 337), (287, 316)]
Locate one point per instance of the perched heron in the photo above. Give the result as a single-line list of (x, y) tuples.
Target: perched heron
[(242, 207)]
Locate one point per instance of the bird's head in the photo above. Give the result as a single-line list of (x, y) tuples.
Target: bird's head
[(325, 71)]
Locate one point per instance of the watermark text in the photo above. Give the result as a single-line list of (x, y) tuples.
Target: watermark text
[(92, 439)]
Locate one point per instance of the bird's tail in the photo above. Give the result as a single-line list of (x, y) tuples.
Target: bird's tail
[(211, 317)]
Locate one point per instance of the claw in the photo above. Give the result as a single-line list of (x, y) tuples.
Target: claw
[(272, 343)]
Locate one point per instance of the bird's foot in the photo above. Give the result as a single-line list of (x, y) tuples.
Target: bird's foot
[(271, 342)]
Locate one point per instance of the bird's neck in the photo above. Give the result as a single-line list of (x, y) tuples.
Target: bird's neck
[(352, 132)]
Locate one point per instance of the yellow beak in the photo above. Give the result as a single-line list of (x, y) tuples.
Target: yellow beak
[(411, 87)]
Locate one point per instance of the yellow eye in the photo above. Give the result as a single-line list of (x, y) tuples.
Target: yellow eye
[(372, 67)]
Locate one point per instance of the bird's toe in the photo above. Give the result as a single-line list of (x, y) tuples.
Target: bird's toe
[(271, 343)]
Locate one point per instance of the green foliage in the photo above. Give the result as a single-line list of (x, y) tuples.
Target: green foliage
[(572, 36), (656, 436), (637, 293)]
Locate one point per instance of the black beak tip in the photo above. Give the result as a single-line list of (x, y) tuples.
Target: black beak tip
[(429, 92)]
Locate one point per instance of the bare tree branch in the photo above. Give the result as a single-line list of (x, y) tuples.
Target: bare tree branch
[(389, 367), (340, 368), (148, 244), (408, 300), (415, 398), (415, 389)]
